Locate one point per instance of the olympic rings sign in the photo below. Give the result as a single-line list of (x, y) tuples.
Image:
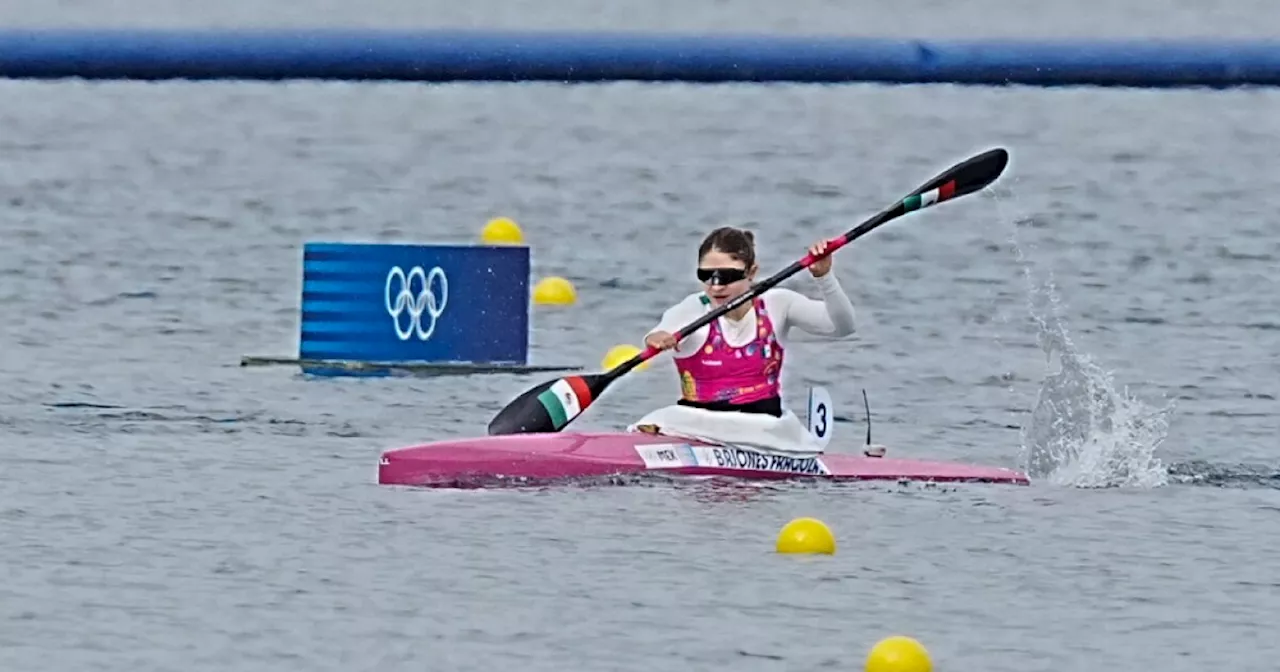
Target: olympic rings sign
[(419, 301)]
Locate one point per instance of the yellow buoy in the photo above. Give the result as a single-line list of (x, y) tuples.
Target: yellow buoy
[(501, 231), (806, 535), (898, 654), (554, 291), (619, 354)]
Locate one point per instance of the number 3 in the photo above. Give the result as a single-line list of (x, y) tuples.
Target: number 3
[(820, 421)]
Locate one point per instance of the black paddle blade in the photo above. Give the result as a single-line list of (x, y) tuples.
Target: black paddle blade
[(972, 174), (549, 407)]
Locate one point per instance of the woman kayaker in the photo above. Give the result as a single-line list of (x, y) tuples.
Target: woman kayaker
[(735, 362)]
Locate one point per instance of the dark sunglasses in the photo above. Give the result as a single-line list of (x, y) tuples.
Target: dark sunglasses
[(721, 276)]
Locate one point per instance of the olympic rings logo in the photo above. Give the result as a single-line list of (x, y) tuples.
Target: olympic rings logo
[(419, 301)]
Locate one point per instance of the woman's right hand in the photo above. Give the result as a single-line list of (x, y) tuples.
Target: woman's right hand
[(660, 340)]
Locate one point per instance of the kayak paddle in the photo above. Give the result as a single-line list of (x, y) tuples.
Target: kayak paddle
[(551, 406)]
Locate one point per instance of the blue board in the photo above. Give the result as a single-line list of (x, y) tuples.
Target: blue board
[(415, 303)]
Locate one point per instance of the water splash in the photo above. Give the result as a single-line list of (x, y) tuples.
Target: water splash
[(1083, 432)]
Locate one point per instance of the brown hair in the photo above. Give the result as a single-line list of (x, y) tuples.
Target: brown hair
[(737, 243)]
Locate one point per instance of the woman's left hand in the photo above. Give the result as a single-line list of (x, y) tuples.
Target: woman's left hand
[(822, 266)]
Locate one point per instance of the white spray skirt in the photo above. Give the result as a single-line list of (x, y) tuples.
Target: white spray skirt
[(785, 434)]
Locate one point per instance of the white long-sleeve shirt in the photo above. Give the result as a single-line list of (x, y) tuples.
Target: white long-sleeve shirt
[(832, 316)]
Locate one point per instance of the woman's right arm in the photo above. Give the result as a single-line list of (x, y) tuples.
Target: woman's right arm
[(672, 320)]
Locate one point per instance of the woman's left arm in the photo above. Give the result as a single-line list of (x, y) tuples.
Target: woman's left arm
[(833, 315)]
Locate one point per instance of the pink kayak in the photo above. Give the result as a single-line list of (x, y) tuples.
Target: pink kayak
[(544, 457)]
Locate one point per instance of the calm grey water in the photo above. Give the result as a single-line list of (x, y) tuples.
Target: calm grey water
[(162, 508)]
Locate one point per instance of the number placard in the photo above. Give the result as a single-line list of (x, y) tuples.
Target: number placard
[(821, 414)]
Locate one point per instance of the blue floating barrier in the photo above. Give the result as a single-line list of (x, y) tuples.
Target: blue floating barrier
[(563, 56)]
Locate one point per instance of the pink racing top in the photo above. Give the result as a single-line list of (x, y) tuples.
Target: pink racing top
[(742, 374)]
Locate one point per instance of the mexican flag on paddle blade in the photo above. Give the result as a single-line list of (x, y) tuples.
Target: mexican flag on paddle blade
[(565, 399)]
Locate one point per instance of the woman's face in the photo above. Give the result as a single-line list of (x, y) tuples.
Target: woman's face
[(723, 276)]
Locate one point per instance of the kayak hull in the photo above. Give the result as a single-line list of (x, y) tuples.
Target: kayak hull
[(555, 456)]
